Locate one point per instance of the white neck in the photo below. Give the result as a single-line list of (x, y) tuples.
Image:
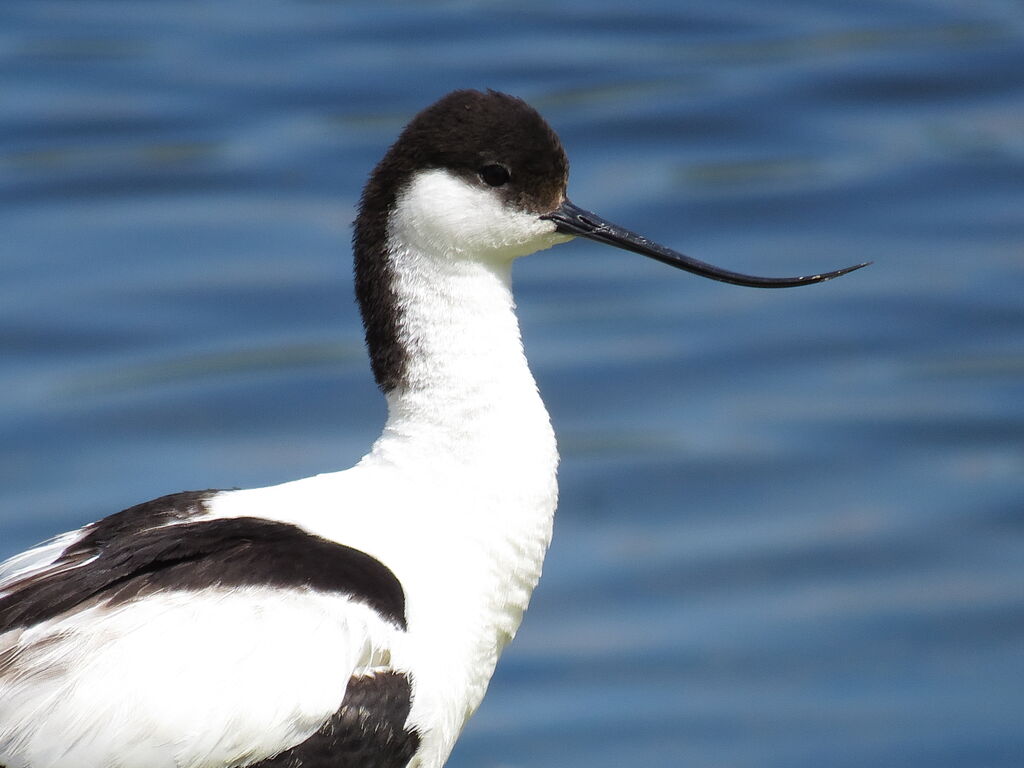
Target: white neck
[(467, 393)]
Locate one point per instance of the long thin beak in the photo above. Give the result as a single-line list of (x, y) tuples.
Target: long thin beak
[(572, 220)]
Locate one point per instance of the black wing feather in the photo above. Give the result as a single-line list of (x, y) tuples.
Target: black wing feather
[(120, 559), (368, 731)]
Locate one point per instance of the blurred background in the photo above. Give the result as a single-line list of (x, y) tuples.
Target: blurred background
[(792, 522)]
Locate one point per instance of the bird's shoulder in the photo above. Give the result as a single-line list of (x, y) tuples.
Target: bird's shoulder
[(170, 544)]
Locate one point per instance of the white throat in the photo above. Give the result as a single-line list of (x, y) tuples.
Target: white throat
[(468, 393)]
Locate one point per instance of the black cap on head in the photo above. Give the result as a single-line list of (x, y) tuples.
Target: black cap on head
[(467, 132)]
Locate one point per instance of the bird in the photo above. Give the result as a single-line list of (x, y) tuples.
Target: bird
[(351, 619)]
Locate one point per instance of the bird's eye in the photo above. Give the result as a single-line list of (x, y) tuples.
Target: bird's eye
[(495, 174)]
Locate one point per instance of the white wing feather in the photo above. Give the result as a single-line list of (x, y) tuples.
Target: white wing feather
[(222, 677), (35, 560)]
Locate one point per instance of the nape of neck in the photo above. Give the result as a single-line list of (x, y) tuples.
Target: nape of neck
[(378, 301)]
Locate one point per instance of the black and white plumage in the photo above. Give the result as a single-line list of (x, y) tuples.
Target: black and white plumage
[(354, 618), (193, 593)]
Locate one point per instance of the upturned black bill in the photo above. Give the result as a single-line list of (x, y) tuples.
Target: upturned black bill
[(572, 220)]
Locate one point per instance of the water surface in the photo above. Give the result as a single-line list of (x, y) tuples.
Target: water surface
[(791, 521)]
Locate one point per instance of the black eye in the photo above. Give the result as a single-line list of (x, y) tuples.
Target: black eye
[(495, 175)]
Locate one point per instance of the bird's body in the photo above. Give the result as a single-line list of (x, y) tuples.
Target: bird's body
[(349, 619)]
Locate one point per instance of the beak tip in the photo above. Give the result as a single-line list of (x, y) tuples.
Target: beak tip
[(854, 268)]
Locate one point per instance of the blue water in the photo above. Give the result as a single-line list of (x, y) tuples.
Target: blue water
[(792, 522)]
